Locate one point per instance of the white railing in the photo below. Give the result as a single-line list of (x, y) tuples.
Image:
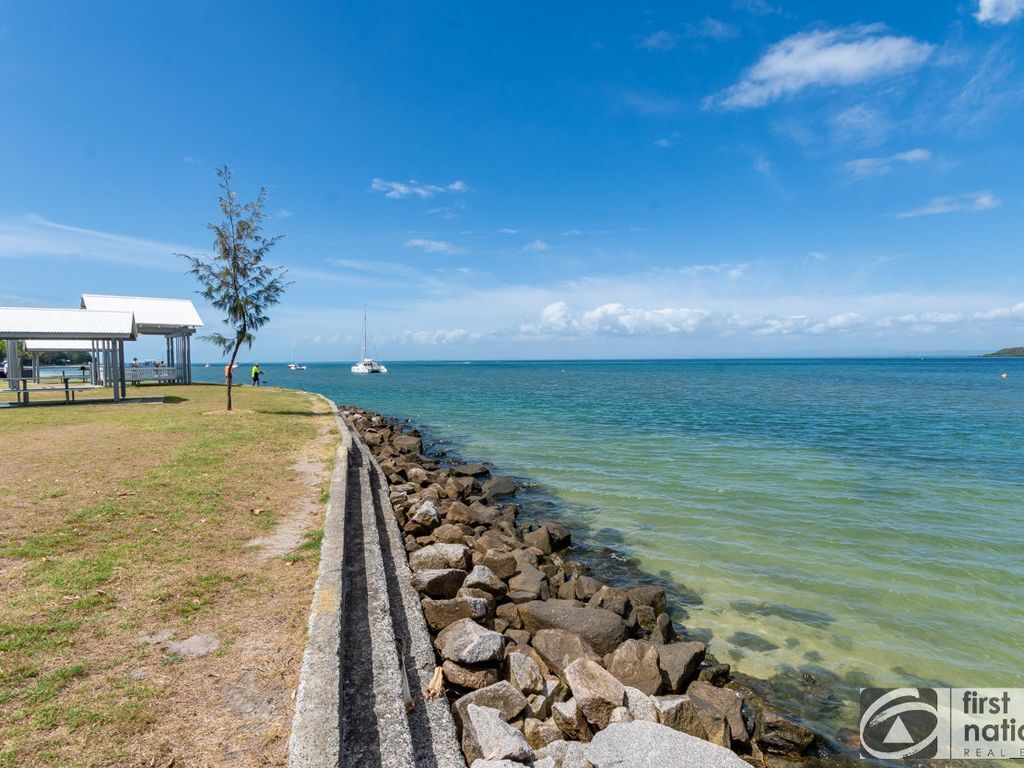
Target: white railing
[(153, 373)]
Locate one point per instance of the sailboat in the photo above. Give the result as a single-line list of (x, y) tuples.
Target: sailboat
[(367, 364), (294, 366)]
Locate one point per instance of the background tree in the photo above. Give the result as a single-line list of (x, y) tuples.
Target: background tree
[(235, 278)]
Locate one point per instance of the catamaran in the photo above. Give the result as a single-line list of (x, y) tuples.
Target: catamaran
[(294, 366), (367, 364)]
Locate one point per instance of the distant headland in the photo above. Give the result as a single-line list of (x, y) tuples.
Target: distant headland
[(1007, 352)]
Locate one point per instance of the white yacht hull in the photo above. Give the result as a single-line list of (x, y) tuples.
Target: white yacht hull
[(369, 366)]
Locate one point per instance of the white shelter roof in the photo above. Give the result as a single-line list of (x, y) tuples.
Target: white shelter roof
[(58, 345), (24, 323), (151, 315)]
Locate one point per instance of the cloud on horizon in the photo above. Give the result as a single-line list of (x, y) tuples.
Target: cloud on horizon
[(844, 56)]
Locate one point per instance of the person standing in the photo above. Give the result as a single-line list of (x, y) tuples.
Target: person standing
[(256, 375)]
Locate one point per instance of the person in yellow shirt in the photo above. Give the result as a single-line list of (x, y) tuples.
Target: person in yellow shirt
[(256, 375)]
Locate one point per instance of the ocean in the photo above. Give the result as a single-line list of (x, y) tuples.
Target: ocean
[(859, 521)]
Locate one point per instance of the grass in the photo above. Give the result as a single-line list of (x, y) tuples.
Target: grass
[(122, 522)]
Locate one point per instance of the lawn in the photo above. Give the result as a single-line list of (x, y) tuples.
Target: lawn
[(127, 528)]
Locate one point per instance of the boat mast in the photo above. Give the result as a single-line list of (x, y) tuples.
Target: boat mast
[(364, 331)]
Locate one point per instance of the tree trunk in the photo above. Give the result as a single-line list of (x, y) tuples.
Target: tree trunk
[(231, 369)]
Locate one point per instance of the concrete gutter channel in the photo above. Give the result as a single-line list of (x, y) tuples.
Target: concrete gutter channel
[(350, 706)]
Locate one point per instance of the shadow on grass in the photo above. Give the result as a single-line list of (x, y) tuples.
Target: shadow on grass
[(289, 413), (175, 399)]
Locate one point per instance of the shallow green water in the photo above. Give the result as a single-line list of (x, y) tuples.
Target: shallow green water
[(856, 518)]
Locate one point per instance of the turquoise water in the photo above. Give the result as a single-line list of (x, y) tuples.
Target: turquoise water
[(859, 519)]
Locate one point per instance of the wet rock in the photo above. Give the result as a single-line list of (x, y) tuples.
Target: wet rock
[(540, 539), (524, 673), (595, 691), (560, 536), (559, 648), (726, 701), (499, 486), (641, 743), (781, 735), (664, 632), (440, 613), (570, 720), (407, 444), (501, 696), (486, 733), (651, 596), (438, 556), (645, 617), (502, 563), (470, 677), (602, 630), (679, 663), (716, 674), (640, 705), (470, 470), (466, 642), (482, 577), (611, 599), (635, 663), (540, 733), (438, 582)]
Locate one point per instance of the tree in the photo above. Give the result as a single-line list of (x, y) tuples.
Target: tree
[(235, 278)]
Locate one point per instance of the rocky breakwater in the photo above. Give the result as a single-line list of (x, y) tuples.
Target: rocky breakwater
[(546, 665)]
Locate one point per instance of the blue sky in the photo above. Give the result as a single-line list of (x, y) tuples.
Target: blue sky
[(535, 179)]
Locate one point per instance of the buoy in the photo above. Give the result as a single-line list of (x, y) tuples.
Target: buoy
[(1005, 375)]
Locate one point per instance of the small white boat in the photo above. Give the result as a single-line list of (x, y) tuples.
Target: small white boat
[(294, 366), (367, 364)]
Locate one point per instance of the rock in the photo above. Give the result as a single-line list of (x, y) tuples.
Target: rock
[(651, 596), (560, 535), (524, 673), (509, 613), (499, 486), (540, 539), (478, 514), (602, 630), (470, 470), (664, 631), (540, 733), (530, 581), (407, 443), (640, 705), (425, 518), (645, 617), (500, 696), (466, 642), (438, 582), (559, 648), (418, 476), (502, 563), (640, 743), (635, 663), (620, 715), (438, 556), (481, 763), (470, 677), (479, 594), (449, 534), (680, 713), (482, 577), (716, 674), (679, 663), (586, 587), (726, 701), (440, 613), (193, 647), (565, 754), (570, 720), (485, 733), (611, 599), (779, 734), (595, 691)]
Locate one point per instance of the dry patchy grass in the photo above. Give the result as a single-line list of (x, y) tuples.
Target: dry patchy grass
[(125, 521)]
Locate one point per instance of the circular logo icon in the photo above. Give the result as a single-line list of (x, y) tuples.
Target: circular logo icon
[(898, 723)]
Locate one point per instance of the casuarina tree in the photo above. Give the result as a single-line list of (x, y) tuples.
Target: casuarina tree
[(235, 278)]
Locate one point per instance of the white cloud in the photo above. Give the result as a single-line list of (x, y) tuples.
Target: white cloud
[(658, 41), (860, 125), (397, 190), (763, 165), (970, 201), (863, 167), (509, 231), (285, 213), (668, 141), (536, 245), (999, 11), (712, 29), (34, 236), (845, 56), (756, 7), (433, 246)]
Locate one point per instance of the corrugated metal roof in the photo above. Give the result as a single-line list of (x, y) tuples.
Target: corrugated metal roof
[(163, 313), (49, 323), (58, 345)]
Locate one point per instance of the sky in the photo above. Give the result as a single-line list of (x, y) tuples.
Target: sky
[(533, 180)]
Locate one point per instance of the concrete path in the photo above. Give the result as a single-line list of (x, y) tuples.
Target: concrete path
[(350, 707)]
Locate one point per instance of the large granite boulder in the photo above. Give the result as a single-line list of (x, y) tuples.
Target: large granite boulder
[(602, 630), (595, 691), (501, 696), (486, 734), (570, 720), (679, 663), (558, 648), (726, 701), (635, 663), (441, 613), (438, 582), (524, 673), (499, 486), (466, 642), (640, 743), (438, 556), (470, 677), (482, 577)]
